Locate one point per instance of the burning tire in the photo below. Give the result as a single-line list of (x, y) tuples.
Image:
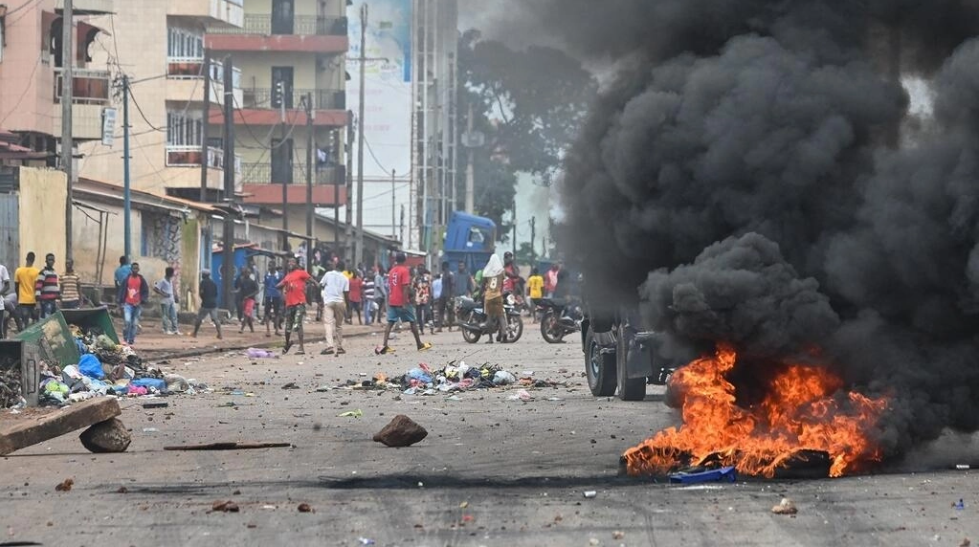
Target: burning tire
[(600, 368), (629, 389)]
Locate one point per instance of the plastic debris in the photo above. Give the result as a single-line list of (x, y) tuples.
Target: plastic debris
[(785, 507), (352, 414), (591, 494)]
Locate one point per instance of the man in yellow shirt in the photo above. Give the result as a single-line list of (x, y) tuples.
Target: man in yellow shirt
[(25, 279), (535, 291)]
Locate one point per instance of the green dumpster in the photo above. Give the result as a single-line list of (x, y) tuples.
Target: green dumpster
[(51, 335), (89, 318), (26, 357)]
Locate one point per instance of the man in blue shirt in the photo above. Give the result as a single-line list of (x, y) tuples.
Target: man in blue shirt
[(122, 272), (273, 299)]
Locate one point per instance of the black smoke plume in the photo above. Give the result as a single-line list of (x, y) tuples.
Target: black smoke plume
[(751, 169)]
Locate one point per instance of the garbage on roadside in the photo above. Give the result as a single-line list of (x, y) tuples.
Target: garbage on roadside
[(785, 507), (10, 383)]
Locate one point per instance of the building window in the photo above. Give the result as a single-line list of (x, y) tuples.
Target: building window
[(184, 128), (160, 236), (185, 43)]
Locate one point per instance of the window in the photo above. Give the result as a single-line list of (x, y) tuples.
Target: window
[(185, 43), (184, 128)]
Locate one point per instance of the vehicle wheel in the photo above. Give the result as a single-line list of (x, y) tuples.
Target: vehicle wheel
[(628, 389), (514, 329), (600, 368), (469, 336), (549, 328)]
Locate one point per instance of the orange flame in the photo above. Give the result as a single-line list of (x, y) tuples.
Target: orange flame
[(803, 409)]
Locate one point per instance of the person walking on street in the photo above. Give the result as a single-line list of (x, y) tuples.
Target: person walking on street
[(249, 291), (535, 291), (4, 312), (71, 287), (423, 300), (293, 287), (273, 299), (367, 297), (447, 312), (380, 291), (336, 294), (464, 284), (47, 290), (550, 280), (209, 303), (399, 306), (168, 302), (356, 297), (436, 297), (132, 294), (493, 277)]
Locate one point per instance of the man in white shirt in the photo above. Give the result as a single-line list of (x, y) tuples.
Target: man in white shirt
[(336, 292), (4, 287)]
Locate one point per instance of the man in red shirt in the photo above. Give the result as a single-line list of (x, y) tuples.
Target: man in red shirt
[(399, 305), (293, 287), (132, 293)]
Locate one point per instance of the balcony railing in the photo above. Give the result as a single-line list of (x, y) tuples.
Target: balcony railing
[(323, 99), (303, 25), (261, 173), (191, 68), (190, 156), (88, 87)]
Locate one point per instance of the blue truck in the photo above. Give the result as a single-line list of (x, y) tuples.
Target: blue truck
[(469, 239)]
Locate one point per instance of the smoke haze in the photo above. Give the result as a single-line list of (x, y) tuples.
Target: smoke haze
[(742, 170)]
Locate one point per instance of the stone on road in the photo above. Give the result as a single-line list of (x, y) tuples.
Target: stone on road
[(401, 432), (106, 437)]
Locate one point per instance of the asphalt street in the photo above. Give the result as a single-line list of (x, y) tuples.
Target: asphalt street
[(493, 471)]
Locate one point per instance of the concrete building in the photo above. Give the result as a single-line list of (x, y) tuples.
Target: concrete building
[(30, 73), (163, 57), (288, 50)]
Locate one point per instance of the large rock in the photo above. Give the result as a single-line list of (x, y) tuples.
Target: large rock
[(66, 420), (106, 437), (402, 431)]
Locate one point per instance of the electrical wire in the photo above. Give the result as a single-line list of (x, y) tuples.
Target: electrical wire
[(139, 109)]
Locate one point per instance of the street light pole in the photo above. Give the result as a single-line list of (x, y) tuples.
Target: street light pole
[(67, 98)]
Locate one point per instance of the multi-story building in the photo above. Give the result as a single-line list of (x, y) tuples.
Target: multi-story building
[(160, 49), (30, 73), (288, 50)]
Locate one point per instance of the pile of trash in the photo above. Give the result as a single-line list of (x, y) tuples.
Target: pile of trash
[(106, 368), (10, 383), (454, 377)]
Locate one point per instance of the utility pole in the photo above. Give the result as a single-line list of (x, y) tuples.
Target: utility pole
[(67, 97), (471, 170), (359, 249), (533, 241), (394, 206), (126, 186), (309, 182), (206, 124), (228, 264), (348, 231), (280, 90), (402, 224), (514, 228)]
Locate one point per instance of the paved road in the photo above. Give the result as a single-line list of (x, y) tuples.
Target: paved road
[(492, 471)]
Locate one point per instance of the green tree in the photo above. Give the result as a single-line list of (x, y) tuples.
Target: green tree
[(529, 105)]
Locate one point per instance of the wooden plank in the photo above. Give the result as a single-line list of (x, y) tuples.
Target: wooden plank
[(72, 418), (228, 446)]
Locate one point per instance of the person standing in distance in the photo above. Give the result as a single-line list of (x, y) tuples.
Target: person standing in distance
[(132, 294), (209, 303), (336, 294), (399, 305), (71, 287), (293, 287), (168, 303), (47, 291)]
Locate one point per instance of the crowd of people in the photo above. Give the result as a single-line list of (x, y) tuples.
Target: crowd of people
[(335, 295)]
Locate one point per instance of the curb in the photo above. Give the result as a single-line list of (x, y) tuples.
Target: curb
[(266, 345)]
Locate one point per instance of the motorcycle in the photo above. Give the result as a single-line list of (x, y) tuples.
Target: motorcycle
[(472, 320), (558, 319)]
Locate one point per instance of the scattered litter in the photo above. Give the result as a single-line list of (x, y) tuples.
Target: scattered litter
[(723, 474), (522, 395), (269, 507), (365, 541), (156, 405), (352, 414), (290, 385), (593, 542), (256, 353), (785, 507), (464, 505), (618, 535), (65, 485), (150, 430), (590, 494), (225, 507), (226, 446), (959, 505), (305, 508), (454, 398)]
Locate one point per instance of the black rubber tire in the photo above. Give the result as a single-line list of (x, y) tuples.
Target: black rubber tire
[(470, 336), (600, 368), (628, 389), (550, 338), (517, 321)]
